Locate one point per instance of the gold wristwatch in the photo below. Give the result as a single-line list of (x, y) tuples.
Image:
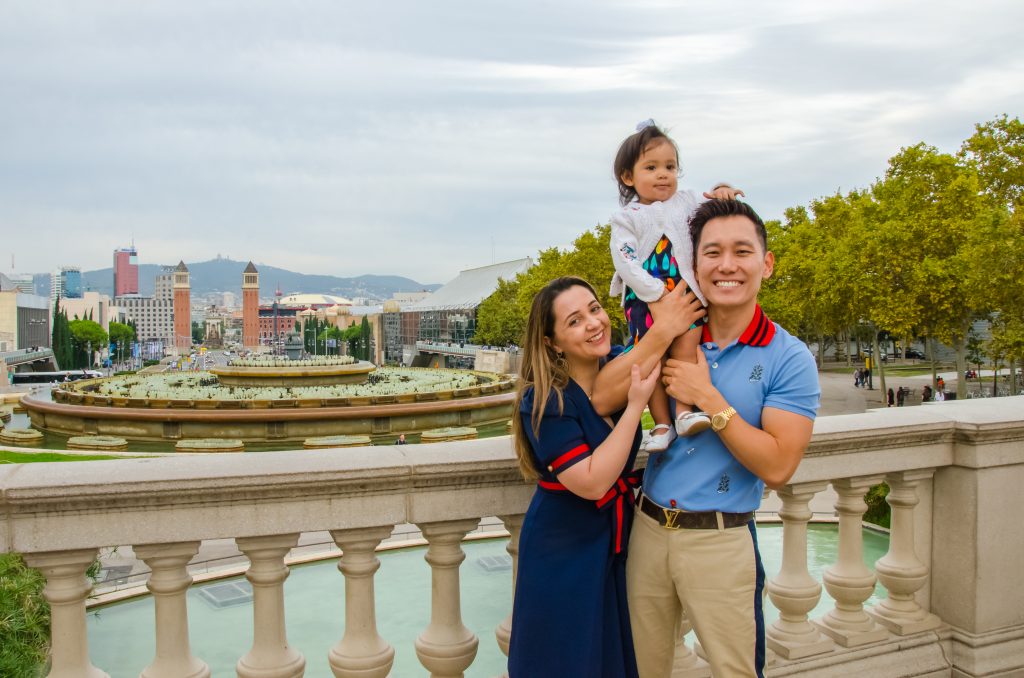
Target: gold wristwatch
[(721, 420)]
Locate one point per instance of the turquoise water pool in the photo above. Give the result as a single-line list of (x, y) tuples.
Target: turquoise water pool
[(121, 638)]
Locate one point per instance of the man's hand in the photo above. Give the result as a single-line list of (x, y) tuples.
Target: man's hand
[(724, 192), (675, 312), (689, 383)]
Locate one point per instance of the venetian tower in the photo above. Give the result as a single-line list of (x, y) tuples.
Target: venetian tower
[(250, 307), (182, 308)]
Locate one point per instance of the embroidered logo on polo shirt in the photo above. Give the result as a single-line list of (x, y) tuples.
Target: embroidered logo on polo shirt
[(757, 372), (723, 484)]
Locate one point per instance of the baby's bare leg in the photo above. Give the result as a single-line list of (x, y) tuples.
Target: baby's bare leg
[(684, 348), (664, 431), (688, 421), (658, 404)]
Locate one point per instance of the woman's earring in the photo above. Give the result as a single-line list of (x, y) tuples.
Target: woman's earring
[(561, 362)]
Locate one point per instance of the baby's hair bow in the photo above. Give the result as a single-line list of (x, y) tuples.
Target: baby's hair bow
[(644, 124)]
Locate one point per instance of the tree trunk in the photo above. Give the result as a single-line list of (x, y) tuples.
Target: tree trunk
[(960, 345), (931, 356), (876, 363)]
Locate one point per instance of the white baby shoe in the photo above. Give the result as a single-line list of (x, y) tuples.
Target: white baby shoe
[(691, 423), (659, 442)]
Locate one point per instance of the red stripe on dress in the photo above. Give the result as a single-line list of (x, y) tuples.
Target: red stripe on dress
[(618, 525), (569, 456), (548, 485)]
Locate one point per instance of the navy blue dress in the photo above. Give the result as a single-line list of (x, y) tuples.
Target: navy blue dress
[(570, 616)]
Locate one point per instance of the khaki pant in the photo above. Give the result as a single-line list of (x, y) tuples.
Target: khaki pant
[(714, 578)]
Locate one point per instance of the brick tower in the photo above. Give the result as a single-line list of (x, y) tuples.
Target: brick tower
[(250, 307), (182, 308)]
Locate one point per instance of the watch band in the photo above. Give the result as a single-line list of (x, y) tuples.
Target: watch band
[(721, 420)]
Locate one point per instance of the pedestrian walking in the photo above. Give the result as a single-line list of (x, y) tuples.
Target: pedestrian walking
[(890, 397)]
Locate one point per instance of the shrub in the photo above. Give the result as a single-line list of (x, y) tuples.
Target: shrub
[(24, 619), (879, 512)]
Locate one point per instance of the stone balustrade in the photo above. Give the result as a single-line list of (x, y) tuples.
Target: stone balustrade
[(954, 606)]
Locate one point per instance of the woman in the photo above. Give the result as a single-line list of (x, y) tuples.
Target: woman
[(570, 616)]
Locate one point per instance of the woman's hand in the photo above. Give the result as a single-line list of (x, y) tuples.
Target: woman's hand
[(676, 311), (640, 390)]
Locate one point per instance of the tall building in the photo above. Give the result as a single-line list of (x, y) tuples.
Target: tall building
[(250, 307), (182, 308), (126, 271), (24, 318), (23, 282), (163, 285), (153, 316), (66, 283)]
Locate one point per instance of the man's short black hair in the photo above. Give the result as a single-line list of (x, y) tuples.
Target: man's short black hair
[(713, 209)]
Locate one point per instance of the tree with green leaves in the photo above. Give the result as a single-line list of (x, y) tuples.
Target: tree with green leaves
[(121, 335), (996, 152), (87, 337), (501, 318)]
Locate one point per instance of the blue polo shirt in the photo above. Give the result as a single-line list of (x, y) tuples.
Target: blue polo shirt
[(765, 367)]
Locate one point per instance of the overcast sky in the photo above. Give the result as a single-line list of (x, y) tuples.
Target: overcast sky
[(421, 138)]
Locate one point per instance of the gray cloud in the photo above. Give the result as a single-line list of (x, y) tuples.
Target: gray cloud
[(417, 138)]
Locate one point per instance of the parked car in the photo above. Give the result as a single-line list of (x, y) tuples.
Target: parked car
[(914, 353)]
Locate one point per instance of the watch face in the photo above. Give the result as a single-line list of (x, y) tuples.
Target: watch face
[(719, 421)]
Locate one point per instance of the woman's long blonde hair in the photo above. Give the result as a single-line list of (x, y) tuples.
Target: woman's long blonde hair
[(541, 368)]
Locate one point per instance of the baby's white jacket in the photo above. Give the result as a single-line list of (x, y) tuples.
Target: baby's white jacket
[(635, 232)]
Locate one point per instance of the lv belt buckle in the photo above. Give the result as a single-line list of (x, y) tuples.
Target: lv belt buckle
[(671, 516)]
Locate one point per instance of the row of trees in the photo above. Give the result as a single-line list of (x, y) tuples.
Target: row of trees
[(322, 337), (73, 340), (76, 341), (934, 245)]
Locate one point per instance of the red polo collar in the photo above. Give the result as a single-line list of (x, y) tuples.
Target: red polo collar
[(759, 332)]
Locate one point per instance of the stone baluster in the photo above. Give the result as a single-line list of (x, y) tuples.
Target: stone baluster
[(685, 662), (446, 647), (270, 656), (168, 582), (794, 592), (66, 589), (849, 581), (361, 652), (513, 524), (900, 570)]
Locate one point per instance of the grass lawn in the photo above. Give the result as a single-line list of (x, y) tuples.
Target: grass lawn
[(10, 457)]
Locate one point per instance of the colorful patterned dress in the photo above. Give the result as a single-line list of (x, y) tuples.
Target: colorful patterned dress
[(660, 264)]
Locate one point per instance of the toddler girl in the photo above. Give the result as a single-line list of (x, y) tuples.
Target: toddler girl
[(652, 253)]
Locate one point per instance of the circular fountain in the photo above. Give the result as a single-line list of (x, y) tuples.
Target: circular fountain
[(276, 402), (282, 372)]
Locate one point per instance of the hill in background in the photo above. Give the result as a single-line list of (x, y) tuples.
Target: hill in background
[(225, 275)]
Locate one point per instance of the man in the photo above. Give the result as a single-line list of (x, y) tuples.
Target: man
[(693, 549)]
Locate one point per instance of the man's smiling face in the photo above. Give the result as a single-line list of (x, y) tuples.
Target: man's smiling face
[(731, 262)]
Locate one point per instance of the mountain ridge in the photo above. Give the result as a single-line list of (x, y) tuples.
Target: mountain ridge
[(225, 275)]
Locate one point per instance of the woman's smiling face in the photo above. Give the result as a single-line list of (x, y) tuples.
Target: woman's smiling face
[(581, 326)]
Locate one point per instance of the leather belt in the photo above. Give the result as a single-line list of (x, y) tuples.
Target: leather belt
[(677, 519)]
